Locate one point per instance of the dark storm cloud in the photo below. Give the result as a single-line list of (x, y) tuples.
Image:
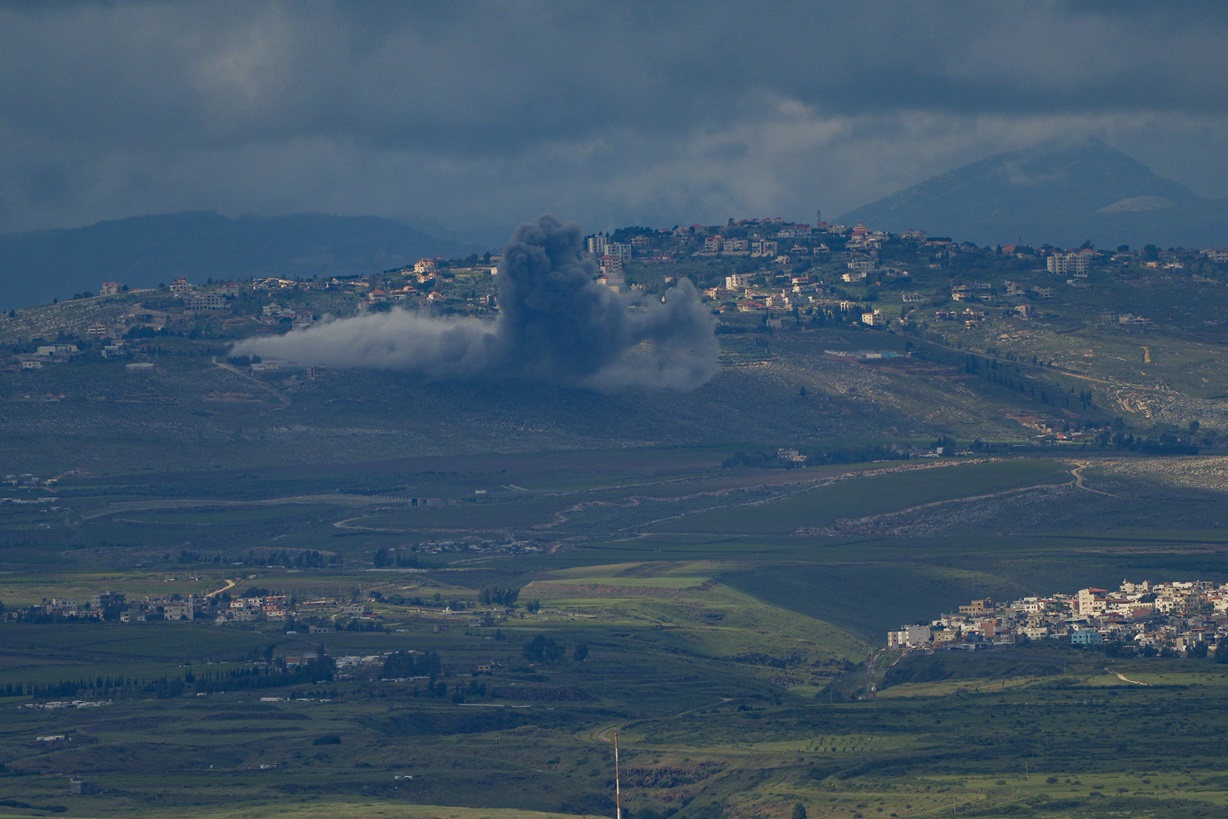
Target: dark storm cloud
[(618, 112), (556, 323)]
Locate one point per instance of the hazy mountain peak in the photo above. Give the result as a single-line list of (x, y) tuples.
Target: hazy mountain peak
[(1136, 204), (1058, 192), (145, 250)]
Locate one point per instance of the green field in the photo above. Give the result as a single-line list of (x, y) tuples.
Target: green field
[(718, 619)]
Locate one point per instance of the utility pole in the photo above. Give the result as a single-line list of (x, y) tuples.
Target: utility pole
[(618, 796)]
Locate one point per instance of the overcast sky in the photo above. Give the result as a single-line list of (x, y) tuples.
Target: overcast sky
[(478, 115)]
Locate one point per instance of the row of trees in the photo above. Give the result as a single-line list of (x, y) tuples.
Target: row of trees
[(499, 596), (542, 649), (816, 457), (385, 557), (294, 559), (401, 664), (119, 687)]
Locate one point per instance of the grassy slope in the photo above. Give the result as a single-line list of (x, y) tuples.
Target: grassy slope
[(706, 650)]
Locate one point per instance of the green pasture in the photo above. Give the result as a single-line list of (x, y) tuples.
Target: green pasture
[(19, 589), (567, 471), (591, 507), (872, 494), (854, 596), (1189, 365), (50, 653), (475, 517), (237, 514), (727, 651), (712, 618), (660, 575), (1022, 749)]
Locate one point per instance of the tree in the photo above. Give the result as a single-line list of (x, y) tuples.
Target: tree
[(1221, 652), (799, 811), (408, 664), (581, 653), (499, 596), (542, 650)]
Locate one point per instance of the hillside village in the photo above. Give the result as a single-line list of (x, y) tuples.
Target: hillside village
[(1014, 316), (320, 614), (782, 275), (1186, 618), (309, 614)]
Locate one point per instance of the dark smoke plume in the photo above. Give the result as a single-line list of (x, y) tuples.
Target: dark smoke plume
[(555, 323)]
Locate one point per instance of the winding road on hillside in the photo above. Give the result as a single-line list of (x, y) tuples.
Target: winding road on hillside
[(230, 584), (604, 734), (1123, 677), (1077, 472)]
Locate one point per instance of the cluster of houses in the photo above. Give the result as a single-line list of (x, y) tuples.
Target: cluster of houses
[(777, 267), (318, 615), (56, 705), (110, 605), (1178, 616), (854, 257)]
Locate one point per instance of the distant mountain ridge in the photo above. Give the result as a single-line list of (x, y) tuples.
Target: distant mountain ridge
[(143, 251), (1059, 193)]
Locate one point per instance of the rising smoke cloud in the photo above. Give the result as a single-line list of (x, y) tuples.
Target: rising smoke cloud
[(556, 323)]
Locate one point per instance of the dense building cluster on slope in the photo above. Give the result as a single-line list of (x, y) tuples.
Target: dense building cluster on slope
[(1180, 617), (772, 267), (316, 614), (998, 304)]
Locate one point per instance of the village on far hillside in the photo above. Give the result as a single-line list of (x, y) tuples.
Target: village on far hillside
[(1178, 618), (1013, 316), (788, 275), (322, 614), (792, 275)]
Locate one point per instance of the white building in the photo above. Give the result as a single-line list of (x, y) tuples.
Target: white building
[(909, 636), (598, 245), (1068, 264)]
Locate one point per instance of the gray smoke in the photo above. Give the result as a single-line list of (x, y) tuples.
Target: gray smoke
[(555, 323)]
